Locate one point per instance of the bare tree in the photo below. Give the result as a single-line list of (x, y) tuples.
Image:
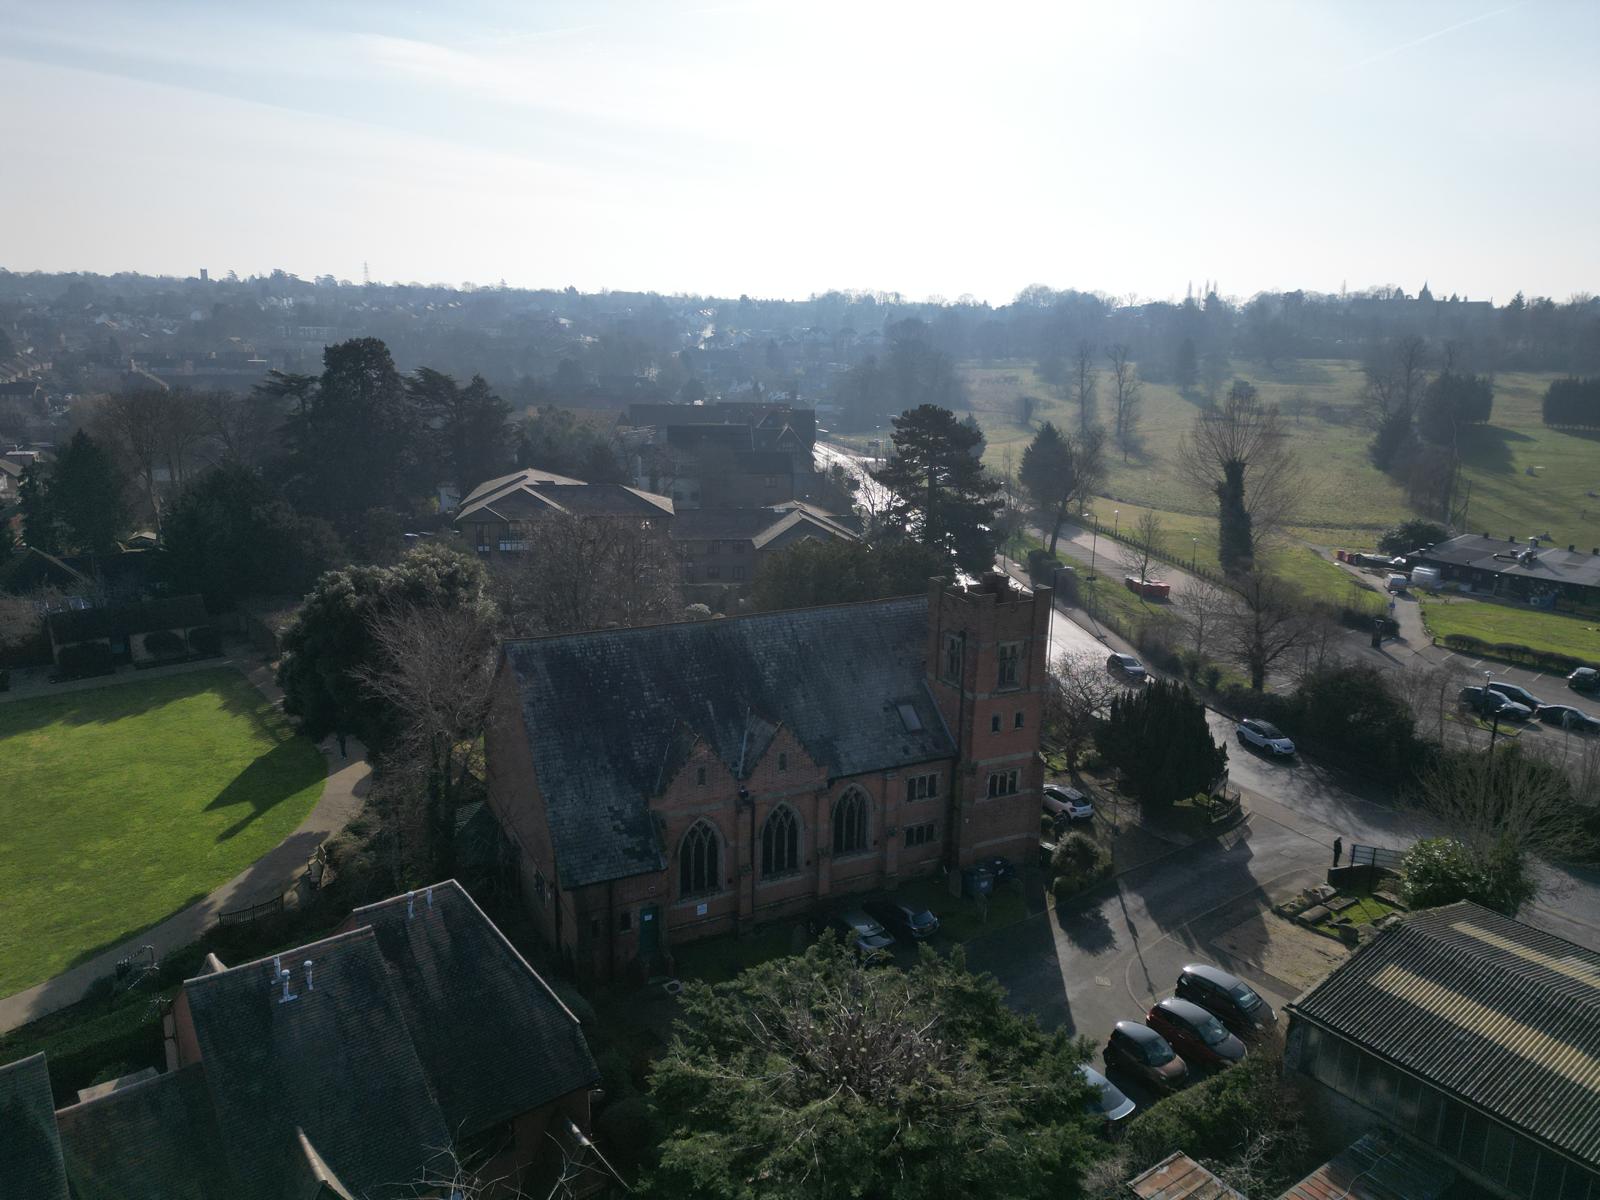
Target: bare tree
[(1396, 374), (131, 422), (1139, 552), (1202, 607), (245, 429), (1079, 694), (1125, 389), (1238, 453), (1083, 385), (1026, 406), (587, 573), (1266, 618), (1429, 690)]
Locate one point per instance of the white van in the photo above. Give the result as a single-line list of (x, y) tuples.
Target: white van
[(1397, 583)]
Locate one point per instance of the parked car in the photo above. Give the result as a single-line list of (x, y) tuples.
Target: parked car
[(1195, 1033), (910, 921), (1067, 802), (1576, 720), (1144, 1054), (1584, 679), (1226, 997), (1488, 704), (1126, 666), (1000, 868), (1555, 714), (1398, 583), (856, 929), (1264, 736), (1108, 1103), (1517, 695)]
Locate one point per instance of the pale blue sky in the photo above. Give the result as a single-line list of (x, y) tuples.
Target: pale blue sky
[(784, 148)]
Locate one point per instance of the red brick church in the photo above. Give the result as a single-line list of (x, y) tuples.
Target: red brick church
[(673, 782)]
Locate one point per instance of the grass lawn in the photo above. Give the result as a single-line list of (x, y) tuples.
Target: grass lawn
[(126, 803), (1365, 910), (1513, 624)]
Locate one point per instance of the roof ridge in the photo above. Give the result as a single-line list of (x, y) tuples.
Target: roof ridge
[(362, 931)]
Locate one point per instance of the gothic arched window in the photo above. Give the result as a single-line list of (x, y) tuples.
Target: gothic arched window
[(780, 843), (850, 823), (698, 857)]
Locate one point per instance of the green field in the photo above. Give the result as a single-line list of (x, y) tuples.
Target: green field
[(1513, 624), (1345, 501), (124, 804)]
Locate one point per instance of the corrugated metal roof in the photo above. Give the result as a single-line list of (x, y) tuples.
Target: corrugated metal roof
[(1179, 1177), (1502, 1015), (1376, 1168)]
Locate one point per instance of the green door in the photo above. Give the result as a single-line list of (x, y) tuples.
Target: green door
[(649, 931)]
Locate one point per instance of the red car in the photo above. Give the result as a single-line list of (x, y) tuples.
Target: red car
[(1150, 589), (1194, 1033)]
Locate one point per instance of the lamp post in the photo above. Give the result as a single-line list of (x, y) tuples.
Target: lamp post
[(1494, 717), (1194, 552), (1116, 521), (1094, 546)]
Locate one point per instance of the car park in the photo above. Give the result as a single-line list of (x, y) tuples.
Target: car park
[(1108, 1101), (910, 921), (1067, 802), (1517, 695), (1194, 1033), (856, 929), (1584, 679), (1264, 736), (1126, 666), (1227, 997), (1490, 704), (1145, 1055), (1578, 721), (1555, 714)]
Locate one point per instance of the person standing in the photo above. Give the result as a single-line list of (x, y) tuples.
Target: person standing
[(1338, 850)]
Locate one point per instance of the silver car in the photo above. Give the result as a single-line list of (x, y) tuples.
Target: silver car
[(1264, 736)]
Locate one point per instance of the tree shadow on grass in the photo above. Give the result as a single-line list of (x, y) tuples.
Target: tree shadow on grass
[(134, 697), (1488, 447), (126, 935), (285, 770)]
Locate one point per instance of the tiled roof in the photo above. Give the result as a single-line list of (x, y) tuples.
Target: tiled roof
[(154, 1140), (530, 477), (493, 1038), (1495, 1012), (605, 710), (30, 1151), (520, 501), (336, 1062)]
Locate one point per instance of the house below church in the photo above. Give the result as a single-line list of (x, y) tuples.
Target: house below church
[(669, 783)]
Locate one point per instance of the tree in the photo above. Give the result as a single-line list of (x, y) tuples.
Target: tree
[(1125, 390), (1078, 696), (230, 534), (1396, 372), (1442, 870), (815, 1076), (1026, 406), (330, 644), (1157, 737), (1187, 366), (813, 572), (1355, 717), (1202, 608), (41, 523), (1411, 535), (1239, 454), (1452, 401), (1266, 618), (1083, 385), (553, 439), (942, 495), (1049, 475), (1144, 541), (587, 573), (86, 494), (469, 426)]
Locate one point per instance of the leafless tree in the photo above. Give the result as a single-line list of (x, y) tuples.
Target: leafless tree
[(1396, 374), (1026, 406), (1139, 552), (155, 433), (243, 429), (1429, 690), (1266, 619), (1201, 606), (587, 573), (1083, 385), (1321, 648), (1125, 389), (1079, 692), (1238, 453)]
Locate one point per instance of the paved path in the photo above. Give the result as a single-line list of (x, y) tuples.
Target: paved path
[(269, 876)]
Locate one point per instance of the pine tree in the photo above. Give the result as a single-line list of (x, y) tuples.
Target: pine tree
[(1158, 738), (86, 493), (41, 524), (942, 495)]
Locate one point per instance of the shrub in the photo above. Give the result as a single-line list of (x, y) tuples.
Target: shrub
[(164, 643), (1411, 535), (1078, 862), (83, 659), (629, 1131), (205, 640), (1442, 870)]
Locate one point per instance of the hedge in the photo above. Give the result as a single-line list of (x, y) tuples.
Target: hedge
[(83, 659), (1519, 655)]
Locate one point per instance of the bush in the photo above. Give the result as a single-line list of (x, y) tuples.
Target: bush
[(629, 1131), (84, 659), (1411, 535), (205, 640), (164, 643), (1078, 862), (1442, 870)]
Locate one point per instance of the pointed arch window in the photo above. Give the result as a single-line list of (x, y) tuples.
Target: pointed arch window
[(850, 823), (780, 843), (699, 856)]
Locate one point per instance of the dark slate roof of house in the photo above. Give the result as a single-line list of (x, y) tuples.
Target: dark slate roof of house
[(528, 477), (737, 438), (336, 1062), (1495, 1012), (520, 501), (607, 713), (171, 612), (493, 1038), (82, 625), (1510, 557), (755, 524), (153, 1140), (30, 1151)]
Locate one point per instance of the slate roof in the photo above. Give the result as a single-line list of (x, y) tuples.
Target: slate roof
[(529, 477), (336, 1062), (1504, 1016), (1377, 1167), (608, 713), (759, 525), (518, 501), (493, 1038), (153, 1140), (30, 1151), (1551, 565)]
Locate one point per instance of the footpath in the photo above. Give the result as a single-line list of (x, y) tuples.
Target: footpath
[(271, 875)]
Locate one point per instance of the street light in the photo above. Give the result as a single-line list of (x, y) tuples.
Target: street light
[(1194, 551), (1494, 717), (1116, 521), (1094, 546)]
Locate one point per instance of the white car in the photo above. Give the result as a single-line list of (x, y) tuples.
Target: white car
[(1067, 802), (1264, 736)]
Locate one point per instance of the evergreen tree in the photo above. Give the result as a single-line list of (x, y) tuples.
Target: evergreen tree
[(1049, 474), (1158, 738), (941, 494), (41, 524), (86, 494), (1187, 368)]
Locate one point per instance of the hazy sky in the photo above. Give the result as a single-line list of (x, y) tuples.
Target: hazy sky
[(784, 148)]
